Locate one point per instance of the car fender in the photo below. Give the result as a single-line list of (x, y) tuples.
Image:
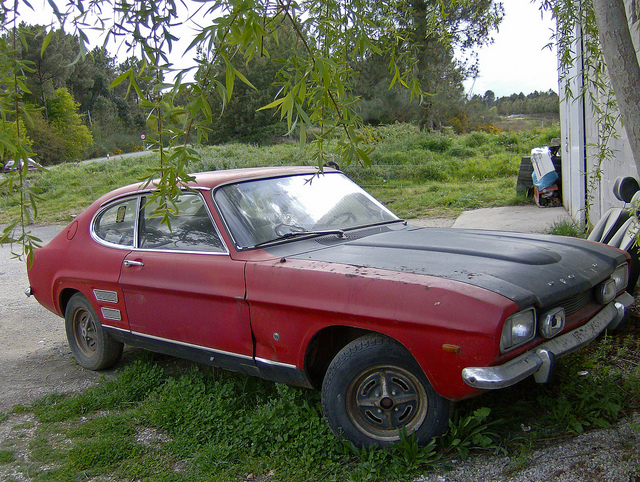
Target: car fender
[(292, 301)]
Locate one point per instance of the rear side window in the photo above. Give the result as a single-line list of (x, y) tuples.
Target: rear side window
[(116, 224), (190, 230)]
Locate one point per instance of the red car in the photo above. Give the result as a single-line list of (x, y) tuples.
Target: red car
[(302, 277)]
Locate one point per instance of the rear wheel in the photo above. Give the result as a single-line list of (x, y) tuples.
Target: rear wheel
[(374, 389), (92, 346)]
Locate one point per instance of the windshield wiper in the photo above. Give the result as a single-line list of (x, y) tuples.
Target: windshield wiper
[(296, 234)]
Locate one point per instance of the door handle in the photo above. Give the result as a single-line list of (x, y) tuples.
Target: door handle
[(128, 263)]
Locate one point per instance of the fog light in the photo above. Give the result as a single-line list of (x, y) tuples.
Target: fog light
[(552, 322), (606, 291), (621, 277)]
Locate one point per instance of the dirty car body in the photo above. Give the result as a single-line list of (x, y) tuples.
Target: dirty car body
[(303, 278)]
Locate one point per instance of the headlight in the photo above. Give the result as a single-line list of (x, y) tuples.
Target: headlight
[(606, 291), (518, 329), (621, 277)]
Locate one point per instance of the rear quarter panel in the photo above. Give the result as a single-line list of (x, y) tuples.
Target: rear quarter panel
[(74, 261)]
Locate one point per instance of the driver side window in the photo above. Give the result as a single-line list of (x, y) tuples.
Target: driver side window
[(191, 229)]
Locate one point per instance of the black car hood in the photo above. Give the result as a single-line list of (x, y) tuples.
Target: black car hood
[(529, 269)]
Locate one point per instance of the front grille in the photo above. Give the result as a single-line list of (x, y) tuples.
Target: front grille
[(576, 303)]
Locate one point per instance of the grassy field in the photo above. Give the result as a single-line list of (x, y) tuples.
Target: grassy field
[(416, 174), (163, 419)]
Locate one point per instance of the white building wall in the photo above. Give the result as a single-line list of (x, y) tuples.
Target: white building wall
[(573, 138), (597, 194)]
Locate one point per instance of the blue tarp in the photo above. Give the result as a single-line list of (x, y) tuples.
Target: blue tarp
[(548, 180)]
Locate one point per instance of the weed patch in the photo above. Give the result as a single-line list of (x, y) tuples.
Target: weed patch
[(567, 228), (6, 456)]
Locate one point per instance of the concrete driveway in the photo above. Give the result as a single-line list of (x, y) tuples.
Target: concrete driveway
[(521, 219)]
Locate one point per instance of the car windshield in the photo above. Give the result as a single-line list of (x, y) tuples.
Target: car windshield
[(271, 209)]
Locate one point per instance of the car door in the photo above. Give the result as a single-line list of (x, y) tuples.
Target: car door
[(182, 289)]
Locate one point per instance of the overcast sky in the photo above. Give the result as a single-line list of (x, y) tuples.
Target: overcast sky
[(517, 61)]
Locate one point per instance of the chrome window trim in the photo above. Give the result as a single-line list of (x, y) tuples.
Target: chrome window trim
[(103, 207), (136, 225), (136, 222), (181, 251)]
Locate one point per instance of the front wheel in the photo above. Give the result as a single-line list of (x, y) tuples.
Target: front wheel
[(92, 346), (374, 389)]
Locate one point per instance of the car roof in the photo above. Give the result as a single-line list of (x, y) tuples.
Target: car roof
[(212, 179)]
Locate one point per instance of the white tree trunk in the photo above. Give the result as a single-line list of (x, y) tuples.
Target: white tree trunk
[(622, 66)]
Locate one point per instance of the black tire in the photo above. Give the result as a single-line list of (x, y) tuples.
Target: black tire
[(374, 388), (92, 347)]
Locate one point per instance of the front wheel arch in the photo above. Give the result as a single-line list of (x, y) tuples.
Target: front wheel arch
[(323, 348)]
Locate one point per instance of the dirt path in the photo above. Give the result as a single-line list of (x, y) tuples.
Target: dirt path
[(34, 357)]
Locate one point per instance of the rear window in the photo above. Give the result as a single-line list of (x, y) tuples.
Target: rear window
[(116, 224)]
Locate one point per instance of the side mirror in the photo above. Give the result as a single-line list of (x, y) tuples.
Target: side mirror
[(624, 188)]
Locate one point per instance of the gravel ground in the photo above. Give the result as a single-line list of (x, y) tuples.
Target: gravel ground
[(600, 455), (34, 357)]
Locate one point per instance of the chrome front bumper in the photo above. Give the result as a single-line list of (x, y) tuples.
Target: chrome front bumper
[(539, 362)]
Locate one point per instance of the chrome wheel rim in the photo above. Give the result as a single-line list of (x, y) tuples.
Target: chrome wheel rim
[(382, 400), (84, 331)]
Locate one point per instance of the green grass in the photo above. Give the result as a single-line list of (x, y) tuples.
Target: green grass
[(567, 228), (415, 173)]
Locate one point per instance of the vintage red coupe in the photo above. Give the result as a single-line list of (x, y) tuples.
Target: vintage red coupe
[(302, 277)]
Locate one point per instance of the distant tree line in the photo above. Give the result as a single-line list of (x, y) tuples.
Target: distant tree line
[(534, 103), (78, 115)]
